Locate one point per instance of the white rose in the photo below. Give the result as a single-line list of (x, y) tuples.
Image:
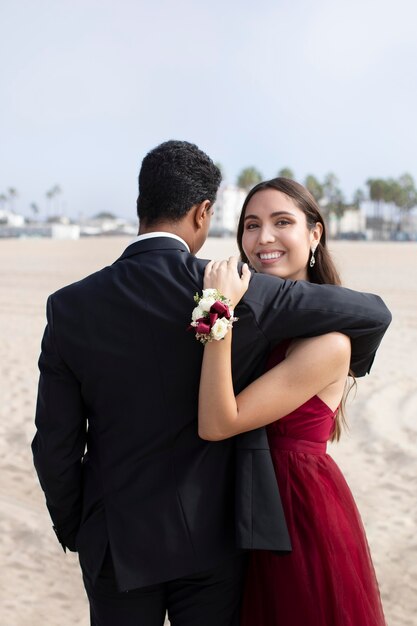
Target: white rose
[(197, 313), (209, 293), (220, 328), (206, 303)]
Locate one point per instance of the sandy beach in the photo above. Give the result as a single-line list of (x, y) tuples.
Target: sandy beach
[(40, 586)]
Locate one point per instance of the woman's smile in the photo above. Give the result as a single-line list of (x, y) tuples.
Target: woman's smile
[(267, 257)]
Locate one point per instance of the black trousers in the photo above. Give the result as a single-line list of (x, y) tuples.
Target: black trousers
[(210, 598)]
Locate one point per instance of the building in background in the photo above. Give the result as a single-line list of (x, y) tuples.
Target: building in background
[(351, 225), (107, 224), (227, 209), (9, 218)]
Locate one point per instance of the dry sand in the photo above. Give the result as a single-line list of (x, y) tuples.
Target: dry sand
[(40, 586)]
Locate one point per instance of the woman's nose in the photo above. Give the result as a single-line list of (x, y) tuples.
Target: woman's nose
[(266, 235)]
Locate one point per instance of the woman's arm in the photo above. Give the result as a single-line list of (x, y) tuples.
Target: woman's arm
[(287, 309), (312, 366)]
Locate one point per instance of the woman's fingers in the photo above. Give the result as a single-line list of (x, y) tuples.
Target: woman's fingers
[(225, 277), (246, 275)]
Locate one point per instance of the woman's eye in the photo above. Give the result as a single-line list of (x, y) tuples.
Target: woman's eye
[(251, 226), (282, 223)]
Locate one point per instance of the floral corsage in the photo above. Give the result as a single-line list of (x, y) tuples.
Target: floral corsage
[(212, 317)]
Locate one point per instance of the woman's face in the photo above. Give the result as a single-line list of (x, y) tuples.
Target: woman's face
[(276, 238)]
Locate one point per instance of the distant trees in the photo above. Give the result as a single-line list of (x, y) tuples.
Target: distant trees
[(314, 187), (8, 200), (377, 189), (286, 172), (358, 197), (401, 193), (51, 194), (335, 203), (105, 215), (406, 195), (397, 195), (34, 208), (13, 195), (248, 178), (3, 200)]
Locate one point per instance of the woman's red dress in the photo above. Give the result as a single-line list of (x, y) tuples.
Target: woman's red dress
[(328, 579)]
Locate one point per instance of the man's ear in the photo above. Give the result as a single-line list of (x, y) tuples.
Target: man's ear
[(202, 213)]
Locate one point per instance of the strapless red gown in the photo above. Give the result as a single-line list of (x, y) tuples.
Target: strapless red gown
[(328, 579)]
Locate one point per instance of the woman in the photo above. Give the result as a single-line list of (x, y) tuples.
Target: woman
[(328, 578)]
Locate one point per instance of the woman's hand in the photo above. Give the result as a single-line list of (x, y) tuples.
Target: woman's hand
[(224, 276)]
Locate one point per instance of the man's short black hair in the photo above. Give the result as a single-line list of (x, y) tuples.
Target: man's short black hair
[(173, 177)]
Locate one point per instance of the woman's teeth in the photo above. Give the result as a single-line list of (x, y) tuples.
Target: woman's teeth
[(270, 255)]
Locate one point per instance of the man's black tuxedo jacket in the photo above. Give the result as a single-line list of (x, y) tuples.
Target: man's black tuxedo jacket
[(117, 450)]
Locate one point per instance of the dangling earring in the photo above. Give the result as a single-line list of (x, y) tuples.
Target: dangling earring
[(312, 260)]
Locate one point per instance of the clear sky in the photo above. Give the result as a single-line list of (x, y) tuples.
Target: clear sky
[(89, 86)]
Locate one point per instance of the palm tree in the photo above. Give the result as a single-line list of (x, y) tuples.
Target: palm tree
[(34, 208), (12, 197), (104, 215), (3, 200), (407, 196), (248, 178), (358, 197), (335, 201), (314, 187), (56, 191), (330, 185), (338, 209), (378, 191), (49, 195), (392, 195), (286, 172)]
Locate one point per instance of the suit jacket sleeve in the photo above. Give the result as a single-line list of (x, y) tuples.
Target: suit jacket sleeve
[(286, 309), (60, 440)]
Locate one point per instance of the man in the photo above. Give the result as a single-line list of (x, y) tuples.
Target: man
[(128, 483)]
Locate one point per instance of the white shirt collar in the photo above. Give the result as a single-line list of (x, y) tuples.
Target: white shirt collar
[(159, 234)]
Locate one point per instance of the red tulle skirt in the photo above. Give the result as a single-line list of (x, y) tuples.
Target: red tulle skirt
[(328, 579)]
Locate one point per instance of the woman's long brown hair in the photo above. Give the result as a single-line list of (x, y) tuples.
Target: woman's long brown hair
[(324, 270)]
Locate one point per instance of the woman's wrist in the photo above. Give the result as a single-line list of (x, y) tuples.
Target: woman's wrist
[(224, 342)]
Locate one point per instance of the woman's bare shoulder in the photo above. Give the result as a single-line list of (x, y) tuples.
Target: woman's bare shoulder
[(331, 346)]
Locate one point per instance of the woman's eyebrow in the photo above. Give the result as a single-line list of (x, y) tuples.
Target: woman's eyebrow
[(274, 214)]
